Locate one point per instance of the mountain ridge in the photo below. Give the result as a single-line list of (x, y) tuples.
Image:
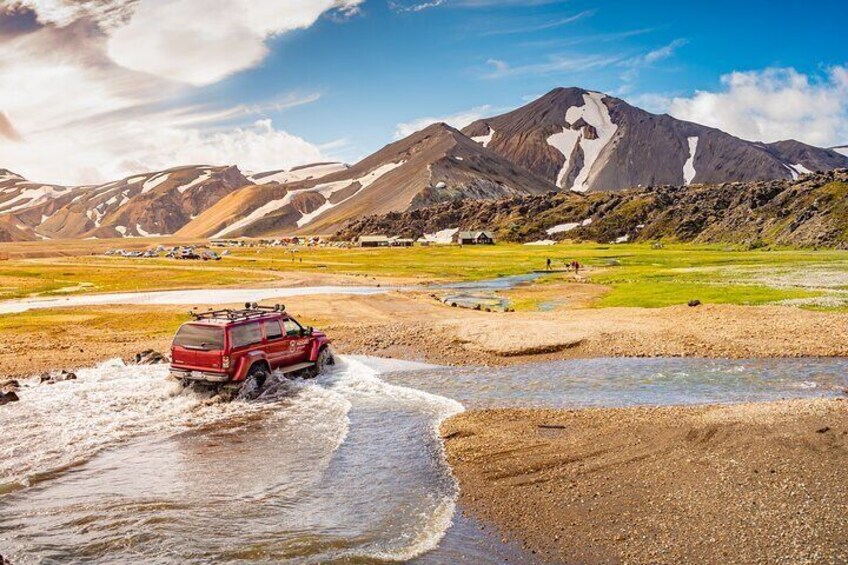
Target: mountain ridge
[(570, 139)]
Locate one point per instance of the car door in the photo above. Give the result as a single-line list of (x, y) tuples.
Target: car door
[(298, 342), (276, 348)]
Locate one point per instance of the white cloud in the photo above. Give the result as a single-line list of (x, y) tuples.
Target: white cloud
[(71, 114), (774, 104), (554, 64), (458, 120), (200, 42)]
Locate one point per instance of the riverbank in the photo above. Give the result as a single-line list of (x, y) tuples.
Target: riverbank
[(412, 325), (755, 483)]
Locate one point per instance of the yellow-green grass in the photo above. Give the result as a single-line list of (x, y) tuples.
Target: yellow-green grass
[(79, 275), (636, 274), (154, 323)]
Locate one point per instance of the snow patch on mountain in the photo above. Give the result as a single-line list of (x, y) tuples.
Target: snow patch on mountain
[(143, 233), (689, 167), (595, 113), (485, 140), (203, 177), (842, 150), (442, 237), (565, 142), (30, 197), (328, 189), (309, 172), (563, 228), (154, 182)]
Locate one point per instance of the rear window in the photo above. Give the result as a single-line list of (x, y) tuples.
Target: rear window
[(245, 335), (200, 337)]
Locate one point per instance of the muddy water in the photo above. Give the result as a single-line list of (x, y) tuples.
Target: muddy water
[(632, 382), (346, 468), (123, 466)]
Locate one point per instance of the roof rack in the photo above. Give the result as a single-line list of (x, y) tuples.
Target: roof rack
[(249, 311)]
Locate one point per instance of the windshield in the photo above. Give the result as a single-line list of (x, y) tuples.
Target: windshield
[(193, 336)]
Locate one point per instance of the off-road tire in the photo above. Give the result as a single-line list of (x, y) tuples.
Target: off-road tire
[(254, 382), (325, 359)]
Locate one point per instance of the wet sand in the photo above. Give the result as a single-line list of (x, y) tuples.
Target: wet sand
[(757, 483)]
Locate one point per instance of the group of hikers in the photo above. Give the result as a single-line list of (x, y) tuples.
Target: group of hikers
[(573, 266)]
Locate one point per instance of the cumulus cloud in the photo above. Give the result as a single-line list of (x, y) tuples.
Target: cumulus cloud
[(70, 113), (458, 120), (774, 104), (200, 42)]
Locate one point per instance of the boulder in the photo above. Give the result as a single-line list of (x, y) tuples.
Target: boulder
[(10, 384), (6, 398), (148, 357), (57, 377), (694, 303)]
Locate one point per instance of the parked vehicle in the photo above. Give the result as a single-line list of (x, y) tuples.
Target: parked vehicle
[(236, 350)]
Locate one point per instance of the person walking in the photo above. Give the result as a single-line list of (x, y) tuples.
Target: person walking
[(548, 265)]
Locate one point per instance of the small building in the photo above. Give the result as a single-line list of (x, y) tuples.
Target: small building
[(402, 242), (373, 241), (476, 238)]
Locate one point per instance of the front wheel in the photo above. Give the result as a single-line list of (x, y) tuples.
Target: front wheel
[(324, 360)]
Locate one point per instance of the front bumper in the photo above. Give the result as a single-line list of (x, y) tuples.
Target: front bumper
[(202, 376)]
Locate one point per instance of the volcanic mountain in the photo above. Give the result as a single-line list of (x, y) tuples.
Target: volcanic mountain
[(433, 165), (582, 140), (150, 204)]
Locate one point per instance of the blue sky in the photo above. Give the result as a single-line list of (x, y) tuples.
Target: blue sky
[(382, 68), (93, 89)]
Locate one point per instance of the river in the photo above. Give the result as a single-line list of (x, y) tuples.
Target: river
[(124, 466)]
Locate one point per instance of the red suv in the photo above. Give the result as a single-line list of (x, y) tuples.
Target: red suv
[(230, 348)]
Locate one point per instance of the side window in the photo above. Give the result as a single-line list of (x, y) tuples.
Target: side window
[(273, 330), (292, 328), (248, 334)]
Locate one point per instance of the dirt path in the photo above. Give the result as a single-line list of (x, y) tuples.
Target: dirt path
[(745, 484)]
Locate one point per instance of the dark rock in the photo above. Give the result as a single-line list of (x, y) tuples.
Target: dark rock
[(6, 398), (54, 377), (823, 430), (694, 303), (148, 357), (65, 376), (10, 384)]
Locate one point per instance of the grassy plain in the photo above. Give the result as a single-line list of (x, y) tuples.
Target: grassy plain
[(634, 275)]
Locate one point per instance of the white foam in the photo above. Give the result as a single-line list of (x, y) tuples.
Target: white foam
[(60, 424), (689, 166)]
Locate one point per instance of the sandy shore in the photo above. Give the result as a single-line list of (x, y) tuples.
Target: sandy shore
[(759, 483), (412, 325)]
